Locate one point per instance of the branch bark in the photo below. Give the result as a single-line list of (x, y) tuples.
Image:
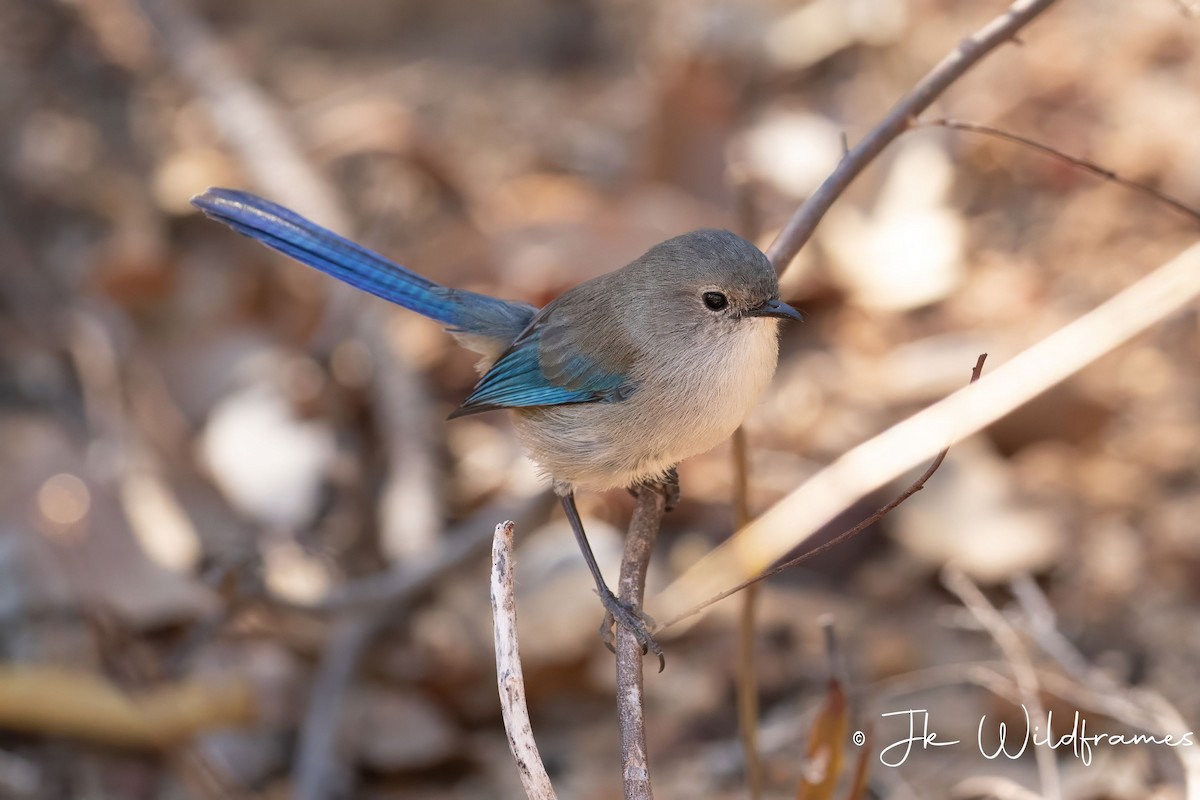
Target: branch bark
[(510, 679), (631, 586)]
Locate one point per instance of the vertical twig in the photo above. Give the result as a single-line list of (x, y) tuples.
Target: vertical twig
[(749, 224), (747, 673), (631, 587), (509, 678), (366, 607)]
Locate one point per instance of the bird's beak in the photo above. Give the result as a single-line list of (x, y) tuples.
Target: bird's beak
[(775, 308)]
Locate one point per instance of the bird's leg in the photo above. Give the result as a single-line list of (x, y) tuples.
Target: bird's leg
[(615, 611), (669, 485)]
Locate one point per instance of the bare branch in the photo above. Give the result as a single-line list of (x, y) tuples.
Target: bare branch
[(631, 586), (747, 673), (367, 605), (1075, 161), (800, 227), (509, 677)]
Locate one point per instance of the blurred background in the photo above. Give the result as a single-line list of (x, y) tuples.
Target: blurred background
[(240, 545)]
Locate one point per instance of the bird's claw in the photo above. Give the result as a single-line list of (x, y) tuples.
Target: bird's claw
[(668, 485), (637, 622), (670, 489)]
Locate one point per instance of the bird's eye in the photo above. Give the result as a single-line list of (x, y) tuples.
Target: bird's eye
[(715, 300)]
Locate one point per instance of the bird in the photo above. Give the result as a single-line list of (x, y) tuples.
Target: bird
[(612, 383)]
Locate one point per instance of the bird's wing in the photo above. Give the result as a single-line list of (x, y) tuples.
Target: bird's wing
[(548, 365)]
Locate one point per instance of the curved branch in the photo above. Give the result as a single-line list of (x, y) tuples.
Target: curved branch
[(799, 229)]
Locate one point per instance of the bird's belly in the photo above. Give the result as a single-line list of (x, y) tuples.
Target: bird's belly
[(602, 446)]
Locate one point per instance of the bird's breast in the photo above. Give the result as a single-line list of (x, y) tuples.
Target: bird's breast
[(688, 400), (712, 390)]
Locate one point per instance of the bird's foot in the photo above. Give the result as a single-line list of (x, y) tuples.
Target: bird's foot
[(634, 620), (668, 485), (670, 488)]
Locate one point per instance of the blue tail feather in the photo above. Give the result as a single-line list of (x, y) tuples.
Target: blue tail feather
[(318, 247)]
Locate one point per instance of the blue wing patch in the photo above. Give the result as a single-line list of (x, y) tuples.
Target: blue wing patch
[(517, 380)]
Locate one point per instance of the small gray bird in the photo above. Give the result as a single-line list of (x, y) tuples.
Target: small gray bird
[(614, 382)]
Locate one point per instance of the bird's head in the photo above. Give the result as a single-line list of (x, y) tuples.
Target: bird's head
[(715, 279)]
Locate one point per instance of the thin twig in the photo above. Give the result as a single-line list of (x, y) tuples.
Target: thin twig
[(1018, 660), (747, 673), (368, 607), (749, 225), (509, 677), (1075, 161), (844, 536), (631, 713), (1041, 624), (800, 227), (833, 650), (1140, 708)]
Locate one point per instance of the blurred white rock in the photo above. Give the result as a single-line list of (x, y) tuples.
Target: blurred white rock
[(792, 151), (157, 518), (267, 461), (817, 30), (971, 514), (908, 252), (293, 574)]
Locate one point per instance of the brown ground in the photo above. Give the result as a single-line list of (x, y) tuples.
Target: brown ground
[(198, 437)]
